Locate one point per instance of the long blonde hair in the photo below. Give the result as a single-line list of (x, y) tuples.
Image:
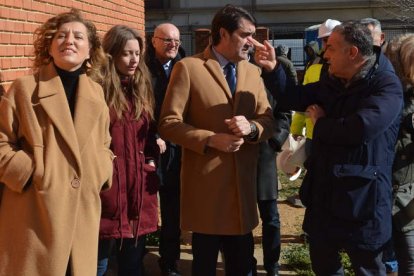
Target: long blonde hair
[(400, 51), (142, 96)]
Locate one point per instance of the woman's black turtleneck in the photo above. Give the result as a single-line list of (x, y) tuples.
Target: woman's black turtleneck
[(70, 82)]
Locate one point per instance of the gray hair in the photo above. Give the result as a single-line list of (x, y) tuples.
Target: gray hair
[(358, 35), (375, 23)]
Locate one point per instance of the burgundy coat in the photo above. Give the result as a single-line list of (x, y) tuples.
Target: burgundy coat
[(130, 207)]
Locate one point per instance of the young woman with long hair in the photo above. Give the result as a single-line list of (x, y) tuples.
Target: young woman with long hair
[(129, 209)]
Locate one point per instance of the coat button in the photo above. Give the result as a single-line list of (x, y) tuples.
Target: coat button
[(75, 183)]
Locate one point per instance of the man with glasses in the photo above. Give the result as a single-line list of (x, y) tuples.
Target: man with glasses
[(162, 54), (216, 108)]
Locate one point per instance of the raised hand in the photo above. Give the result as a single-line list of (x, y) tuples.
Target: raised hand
[(265, 55)]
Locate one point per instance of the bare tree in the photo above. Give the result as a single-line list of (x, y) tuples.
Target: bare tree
[(400, 9)]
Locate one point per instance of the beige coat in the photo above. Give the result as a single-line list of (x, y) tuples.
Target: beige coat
[(53, 169), (218, 189)]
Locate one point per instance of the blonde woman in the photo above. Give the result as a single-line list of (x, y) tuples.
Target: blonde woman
[(400, 51), (129, 209), (54, 155)]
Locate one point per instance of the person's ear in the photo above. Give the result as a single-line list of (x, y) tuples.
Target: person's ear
[(353, 52), (223, 33)]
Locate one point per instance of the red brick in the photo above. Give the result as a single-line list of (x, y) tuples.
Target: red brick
[(8, 75), (4, 12), (20, 18), (5, 38), (39, 6), (5, 63), (27, 5), (15, 62), (18, 14), (10, 3), (19, 51), (28, 50)]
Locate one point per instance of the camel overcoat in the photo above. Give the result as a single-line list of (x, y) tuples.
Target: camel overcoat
[(218, 189), (52, 168)]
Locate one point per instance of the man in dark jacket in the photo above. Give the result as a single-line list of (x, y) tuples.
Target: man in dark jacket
[(347, 190), (162, 54)]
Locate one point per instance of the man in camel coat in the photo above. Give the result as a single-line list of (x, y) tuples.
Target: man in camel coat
[(218, 130)]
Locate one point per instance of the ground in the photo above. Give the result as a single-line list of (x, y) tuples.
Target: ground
[(290, 220)]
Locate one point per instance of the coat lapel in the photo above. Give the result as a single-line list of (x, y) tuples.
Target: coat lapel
[(87, 110), (213, 66), (53, 99)]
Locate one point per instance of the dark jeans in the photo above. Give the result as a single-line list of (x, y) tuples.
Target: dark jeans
[(169, 172), (129, 256), (326, 260), (269, 215), (169, 248), (237, 250)]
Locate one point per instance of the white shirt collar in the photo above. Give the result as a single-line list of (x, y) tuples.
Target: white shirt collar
[(221, 59)]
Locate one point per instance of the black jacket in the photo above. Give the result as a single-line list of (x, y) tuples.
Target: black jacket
[(266, 166), (347, 190), (170, 161)]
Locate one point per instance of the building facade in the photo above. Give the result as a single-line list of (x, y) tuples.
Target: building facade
[(286, 20)]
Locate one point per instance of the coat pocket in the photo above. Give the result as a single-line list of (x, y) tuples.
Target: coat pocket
[(39, 168), (140, 203), (111, 199), (354, 192), (151, 179)]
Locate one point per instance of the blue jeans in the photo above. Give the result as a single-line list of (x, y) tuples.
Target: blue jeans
[(404, 250), (129, 256), (269, 215), (237, 250), (326, 260)]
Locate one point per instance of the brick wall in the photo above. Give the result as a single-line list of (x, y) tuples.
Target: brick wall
[(19, 19)]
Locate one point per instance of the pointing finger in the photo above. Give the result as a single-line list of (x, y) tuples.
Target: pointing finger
[(256, 43)]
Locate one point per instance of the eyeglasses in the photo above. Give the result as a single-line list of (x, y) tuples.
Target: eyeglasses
[(168, 41)]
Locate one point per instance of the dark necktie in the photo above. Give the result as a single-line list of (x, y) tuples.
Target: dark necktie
[(231, 76)]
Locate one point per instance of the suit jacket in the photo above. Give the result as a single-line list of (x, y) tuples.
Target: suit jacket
[(218, 189), (53, 168)]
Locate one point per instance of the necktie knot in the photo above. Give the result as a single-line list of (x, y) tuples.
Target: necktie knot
[(167, 69), (230, 70)]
